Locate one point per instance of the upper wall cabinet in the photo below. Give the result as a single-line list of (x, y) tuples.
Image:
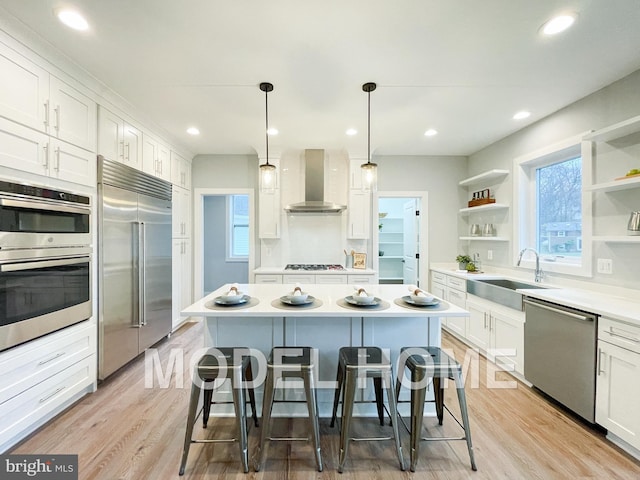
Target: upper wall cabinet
[(156, 158), (31, 96), (180, 171), (118, 140)]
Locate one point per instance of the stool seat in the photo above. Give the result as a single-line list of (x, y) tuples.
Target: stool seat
[(233, 363), (288, 362), (432, 362), (368, 362)]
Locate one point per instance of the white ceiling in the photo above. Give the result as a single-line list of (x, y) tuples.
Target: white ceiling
[(463, 67)]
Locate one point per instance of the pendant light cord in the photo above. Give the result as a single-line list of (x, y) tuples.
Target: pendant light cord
[(266, 120), (369, 126)]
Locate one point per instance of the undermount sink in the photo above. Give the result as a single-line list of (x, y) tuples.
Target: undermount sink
[(500, 290)]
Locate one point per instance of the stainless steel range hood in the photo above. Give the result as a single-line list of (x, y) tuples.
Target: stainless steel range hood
[(314, 201)]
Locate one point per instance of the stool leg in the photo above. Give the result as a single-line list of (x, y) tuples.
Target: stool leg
[(417, 413), (239, 404), (312, 405), (206, 406), (388, 381), (438, 393), (377, 386), (338, 391), (457, 375), (191, 418), (267, 405), (347, 412), (252, 395)]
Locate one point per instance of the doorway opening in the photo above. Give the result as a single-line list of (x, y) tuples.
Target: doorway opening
[(402, 238)]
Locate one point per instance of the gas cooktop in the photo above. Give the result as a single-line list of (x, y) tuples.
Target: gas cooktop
[(312, 266)]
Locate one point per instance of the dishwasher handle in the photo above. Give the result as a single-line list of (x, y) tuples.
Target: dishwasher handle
[(577, 316)]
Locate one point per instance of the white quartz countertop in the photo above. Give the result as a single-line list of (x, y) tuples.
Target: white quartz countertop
[(606, 305), (281, 270), (328, 294)]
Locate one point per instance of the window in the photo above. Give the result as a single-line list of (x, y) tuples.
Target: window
[(552, 213), (238, 222)]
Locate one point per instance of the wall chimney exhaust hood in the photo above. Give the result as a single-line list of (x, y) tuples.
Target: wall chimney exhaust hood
[(314, 201)]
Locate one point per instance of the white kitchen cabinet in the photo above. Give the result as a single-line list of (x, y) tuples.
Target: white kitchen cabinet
[(453, 290), (31, 96), (118, 140), (182, 289), (498, 331), (359, 214), (618, 381), (181, 212), (155, 158), (43, 377), (302, 278), (356, 279), (180, 171), (355, 173), (341, 279), (270, 211), (27, 150), (267, 278)]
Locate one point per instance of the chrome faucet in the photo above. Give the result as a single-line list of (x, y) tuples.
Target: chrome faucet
[(538, 274)]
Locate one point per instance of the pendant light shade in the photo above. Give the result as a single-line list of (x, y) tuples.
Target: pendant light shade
[(267, 171), (369, 169)]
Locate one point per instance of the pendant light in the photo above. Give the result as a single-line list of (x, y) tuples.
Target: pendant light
[(369, 169), (267, 171)]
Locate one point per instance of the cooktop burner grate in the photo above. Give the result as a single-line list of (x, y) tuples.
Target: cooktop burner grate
[(313, 266)]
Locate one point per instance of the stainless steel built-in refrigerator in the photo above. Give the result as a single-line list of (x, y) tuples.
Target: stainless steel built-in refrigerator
[(134, 243)]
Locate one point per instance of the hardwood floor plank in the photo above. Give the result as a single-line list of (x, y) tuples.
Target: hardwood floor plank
[(127, 431)]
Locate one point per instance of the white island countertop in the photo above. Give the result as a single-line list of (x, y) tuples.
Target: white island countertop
[(329, 295)]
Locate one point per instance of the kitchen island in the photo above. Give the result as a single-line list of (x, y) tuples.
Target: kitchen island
[(326, 325)]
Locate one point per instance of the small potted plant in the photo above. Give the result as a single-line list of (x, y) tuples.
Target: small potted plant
[(463, 261), (471, 267)]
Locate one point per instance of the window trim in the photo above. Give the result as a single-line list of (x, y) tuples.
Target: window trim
[(229, 257), (524, 202)]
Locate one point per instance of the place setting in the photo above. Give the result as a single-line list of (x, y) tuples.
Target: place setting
[(233, 299), (419, 299), (297, 300), (362, 300)]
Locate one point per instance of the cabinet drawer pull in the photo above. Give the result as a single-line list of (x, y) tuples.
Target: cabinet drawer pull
[(619, 335), (57, 355), (52, 394)]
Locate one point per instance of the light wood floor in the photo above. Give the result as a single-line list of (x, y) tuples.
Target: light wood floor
[(125, 431)]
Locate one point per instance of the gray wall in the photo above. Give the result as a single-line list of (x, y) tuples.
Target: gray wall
[(614, 103), (225, 171), (217, 270), (439, 176)]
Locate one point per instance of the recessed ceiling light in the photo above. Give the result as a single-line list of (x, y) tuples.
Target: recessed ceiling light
[(521, 115), (193, 131), (430, 133), (272, 131), (351, 132), (558, 24), (72, 19)]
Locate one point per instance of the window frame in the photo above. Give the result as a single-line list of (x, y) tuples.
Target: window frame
[(229, 256), (524, 204)]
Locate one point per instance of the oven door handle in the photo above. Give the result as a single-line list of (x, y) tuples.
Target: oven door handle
[(15, 267), (10, 202)]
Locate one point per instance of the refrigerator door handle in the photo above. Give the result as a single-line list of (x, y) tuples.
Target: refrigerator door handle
[(136, 270), (142, 275)]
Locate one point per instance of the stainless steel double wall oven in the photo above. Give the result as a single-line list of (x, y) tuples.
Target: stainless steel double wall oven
[(45, 261)]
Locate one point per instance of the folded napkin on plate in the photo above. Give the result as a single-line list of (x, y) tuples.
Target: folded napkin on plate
[(418, 292)]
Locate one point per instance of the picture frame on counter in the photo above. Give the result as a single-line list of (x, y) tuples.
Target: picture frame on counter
[(360, 261)]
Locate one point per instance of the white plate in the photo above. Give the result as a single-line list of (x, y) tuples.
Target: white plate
[(224, 301), (407, 299), (349, 299), (307, 301)]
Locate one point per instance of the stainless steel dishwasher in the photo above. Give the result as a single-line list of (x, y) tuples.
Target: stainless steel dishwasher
[(560, 354)]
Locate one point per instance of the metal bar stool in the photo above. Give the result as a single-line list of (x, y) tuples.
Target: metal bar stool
[(289, 362), (425, 363), (367, 362), (216, 365)]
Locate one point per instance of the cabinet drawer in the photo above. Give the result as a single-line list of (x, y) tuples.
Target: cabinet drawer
[(457, 298), (27, 365), (357, 279), (439, 277), (619, 333), (329, 279), (306, 279), (457, 283), (261, 278), (21, 413)]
